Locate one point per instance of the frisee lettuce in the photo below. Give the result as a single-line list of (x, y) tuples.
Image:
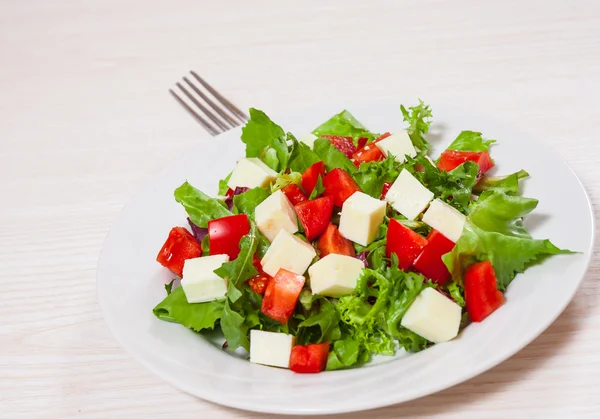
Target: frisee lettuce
[(419, 120)]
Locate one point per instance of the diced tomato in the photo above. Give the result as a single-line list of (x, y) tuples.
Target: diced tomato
[(281, 295), (361, 142), (314, 216), (384, 191), (333, 242), (430, 262), (404, 242), (309, 358), (310, 177), (339, 184), (224, 234), (344, 144), (180, 246), (258, 283), (294, 194), (482, 296), (451, 159)]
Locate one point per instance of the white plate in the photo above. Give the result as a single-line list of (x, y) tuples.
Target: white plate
[(130, 282)]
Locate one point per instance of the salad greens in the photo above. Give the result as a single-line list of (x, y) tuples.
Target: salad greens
[(367, 321)]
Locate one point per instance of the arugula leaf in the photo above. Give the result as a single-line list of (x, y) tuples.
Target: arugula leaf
[(301, 157), (470, 141), (332, 157), (508, 184), (223, 188), (266, 140), (345, 353), (247, 202), (325, 319), (197, 316), (169, 286), (234, 329), (200, 207), (372, 175), (344, 124), (419, 119), (318, 189), (509, 255), (240, 269)]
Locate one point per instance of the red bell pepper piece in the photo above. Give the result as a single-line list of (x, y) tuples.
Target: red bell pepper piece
[(369, 152), (344, 144), (331, 241), (361, 142), (294, 194), (180, 246), (310, 177), (339, 184), (258, 283), (430, 262), (482, 296), (309, 358), (384, 191), (225, 233), (451, 159), (404, 242), (314, 216), (281, 295)]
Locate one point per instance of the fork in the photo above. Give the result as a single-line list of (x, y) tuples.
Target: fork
[(225, 117)]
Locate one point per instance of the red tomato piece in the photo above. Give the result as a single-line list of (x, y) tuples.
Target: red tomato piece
[(384, 191), (344, 144), (430, 262), (294, 194), (405, 243), (368, 153), (315, 215), (310, 177), (451, 159), (224, 234), (281, 295), (258, 283), (180, 246), (333, 242), (361, 142), (309, 358), (482, 296), (339, 184)]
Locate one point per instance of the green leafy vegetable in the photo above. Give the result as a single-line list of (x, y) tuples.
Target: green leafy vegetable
[(234, 329), (198, 316), (266, 140), (372, 175), (470, 141), (332, 157), (200, 207), (508, 184), (321, 323), (456, 292), (240, 269), (344, 124), (346, 353), (223, 188), (301, 157), (284, 179), (318, 189), (247, 202), (169, 286), (419, 119)]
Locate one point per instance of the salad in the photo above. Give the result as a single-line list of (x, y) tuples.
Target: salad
[(320, 252)]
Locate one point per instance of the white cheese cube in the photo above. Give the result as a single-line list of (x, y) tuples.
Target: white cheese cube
[(433, 316), (275, 213), (199, 281), (399, 145), (288, 252), (335, 275), (251, 173), (309, 139), (446, 219), (361, 217), (269, 348), (408, 196)]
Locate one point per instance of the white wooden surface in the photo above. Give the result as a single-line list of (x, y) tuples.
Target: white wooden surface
[(85, 119)]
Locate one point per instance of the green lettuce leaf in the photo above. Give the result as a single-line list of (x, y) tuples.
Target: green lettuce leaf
[(284, 179), (470, 141), (344, 124), (223, 188), (508, 184), (419, 120), (318, 189), (200, 207), (372, 175), (332, 157), (233, 327), (321, 323), (346, 353), (239, 270), (301, 157), (247, 202), (197, 316), (266, 140)]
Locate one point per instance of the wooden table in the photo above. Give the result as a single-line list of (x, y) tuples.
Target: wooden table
[(85, 120)]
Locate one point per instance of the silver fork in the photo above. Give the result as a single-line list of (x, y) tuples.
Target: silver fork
[(224, 117)]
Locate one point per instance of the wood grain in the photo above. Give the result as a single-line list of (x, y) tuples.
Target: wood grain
[(85, 119)]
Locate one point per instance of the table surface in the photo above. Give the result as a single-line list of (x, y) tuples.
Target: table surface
[(85, 120)]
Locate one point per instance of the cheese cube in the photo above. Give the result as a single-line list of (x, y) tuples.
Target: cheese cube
[(399, 145), (275, 213), (408, 196), (251, 173), (288, 252), (308, 139), (433, 316), (335, 275), (361, 217), (446, 219), (199, 281), (269, 348)]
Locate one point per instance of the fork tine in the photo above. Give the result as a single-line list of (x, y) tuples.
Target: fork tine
[(239, 114), (203, 108), (202, 121), (232, 122)]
